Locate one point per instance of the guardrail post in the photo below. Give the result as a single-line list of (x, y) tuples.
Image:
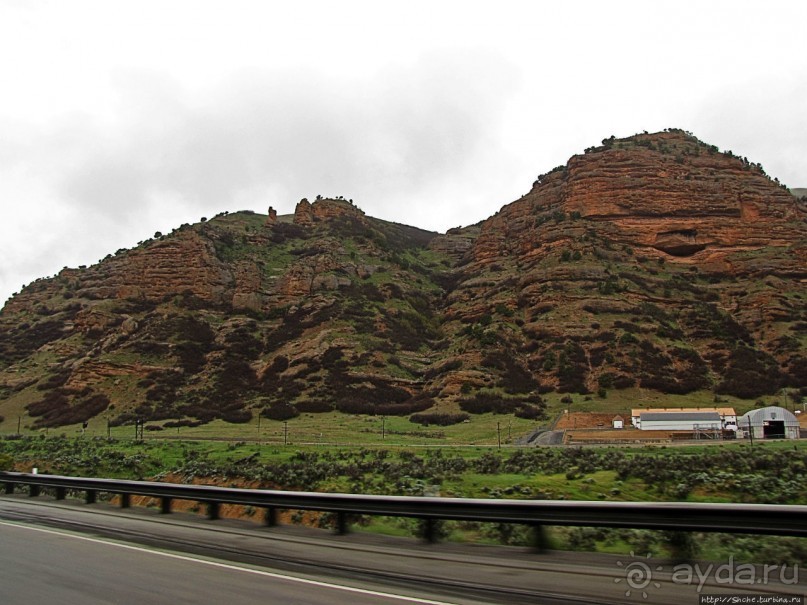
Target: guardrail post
[(89, 497), (683, 547), (61, 493), (212, 510), (9, 488), (125, 501), (33, 492), (430, 530), (341, 523), (539, 540), (165, 505), (270, 516)]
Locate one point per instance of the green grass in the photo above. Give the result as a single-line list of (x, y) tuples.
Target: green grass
[(329, 429)]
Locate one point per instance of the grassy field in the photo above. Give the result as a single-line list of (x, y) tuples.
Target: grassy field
[(331, 428), (335, 428)]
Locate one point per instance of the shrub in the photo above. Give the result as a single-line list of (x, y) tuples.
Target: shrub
[(438, 419), (797, 371), (483, 403), (280, 411), (572, 368), (623, 381), (530, 412), (191, 357), (172, 424), (314, 406), (514, 378), (236, 415), (660, 372), (402, 409), (55, 408), (750, 373), (367, 397), (449, 366), (54, 380), (283, 231), (350, 406)]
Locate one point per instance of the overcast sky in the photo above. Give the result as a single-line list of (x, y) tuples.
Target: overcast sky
[(119, 119)]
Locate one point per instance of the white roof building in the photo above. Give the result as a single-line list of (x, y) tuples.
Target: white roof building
[(727, 416), (680, 421)]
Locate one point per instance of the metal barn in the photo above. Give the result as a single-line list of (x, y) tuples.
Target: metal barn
[(771, 422)]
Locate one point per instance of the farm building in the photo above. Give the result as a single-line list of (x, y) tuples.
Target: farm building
[(771, 422), (680, 421), (727, 418)]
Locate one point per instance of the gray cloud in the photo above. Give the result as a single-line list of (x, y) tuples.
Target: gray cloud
[(295, 134), (91, 183), (762, 119)]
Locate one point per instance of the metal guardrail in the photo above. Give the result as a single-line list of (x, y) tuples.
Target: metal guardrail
[(773, 519)]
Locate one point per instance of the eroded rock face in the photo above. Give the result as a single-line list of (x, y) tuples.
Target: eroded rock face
[(680, 242), (308, 214), (653, 262), (455, 242), (667, 193), (271, 218), (248, 289), (184, 263), (632, 245), (303, 214)]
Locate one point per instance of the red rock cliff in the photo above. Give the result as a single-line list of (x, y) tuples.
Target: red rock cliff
[(667, 193)]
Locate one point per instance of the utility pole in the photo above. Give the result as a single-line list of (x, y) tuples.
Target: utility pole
[(285, 432), (383, 428), (750, 431), (19, 420), (499, 433)]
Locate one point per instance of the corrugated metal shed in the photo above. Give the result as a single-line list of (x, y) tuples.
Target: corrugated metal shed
[(769, 421)]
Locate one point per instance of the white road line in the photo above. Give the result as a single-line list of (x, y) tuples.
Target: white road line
[(232, 567)]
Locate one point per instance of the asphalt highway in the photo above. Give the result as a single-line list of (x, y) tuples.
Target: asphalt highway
[(60, 567), (70, 553)]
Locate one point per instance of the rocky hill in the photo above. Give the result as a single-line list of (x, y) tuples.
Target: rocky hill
[(654, 261)]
